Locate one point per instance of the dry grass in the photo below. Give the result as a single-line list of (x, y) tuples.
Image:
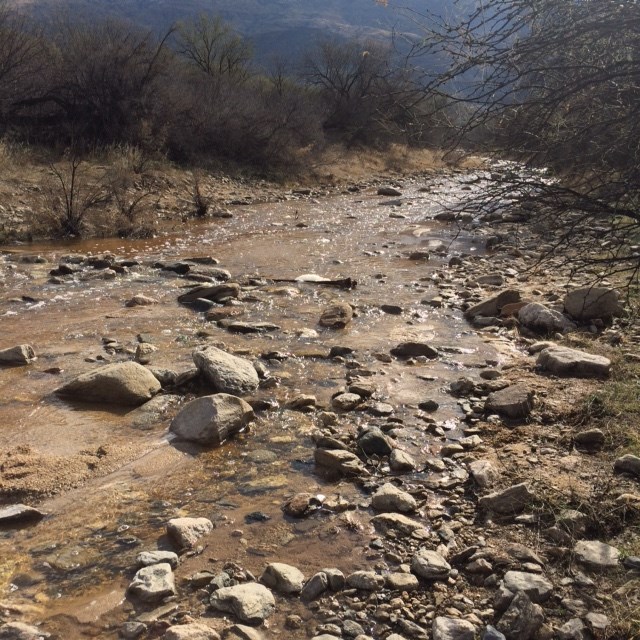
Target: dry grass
[(337, 164)]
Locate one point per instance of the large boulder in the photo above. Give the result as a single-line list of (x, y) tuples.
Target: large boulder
[(336, 316), (22, 354), (537, 317), (153, 583), (563, 361), (592, 302), (227, 373), (493, 305), (513, 402), (212, 419), (252, 603), (283, 578), (123, 383)]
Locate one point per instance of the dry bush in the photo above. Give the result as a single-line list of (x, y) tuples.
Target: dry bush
[(201, 202), (70, 199), (132, 198)]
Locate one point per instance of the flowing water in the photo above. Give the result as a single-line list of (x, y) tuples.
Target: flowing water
[(72, 568)]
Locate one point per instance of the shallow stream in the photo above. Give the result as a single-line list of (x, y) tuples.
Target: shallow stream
[(72, 568)]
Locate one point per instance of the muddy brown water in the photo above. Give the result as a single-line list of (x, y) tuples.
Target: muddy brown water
[(71, 570)]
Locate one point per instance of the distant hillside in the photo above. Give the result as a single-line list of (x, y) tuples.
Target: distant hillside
[(274, 26)]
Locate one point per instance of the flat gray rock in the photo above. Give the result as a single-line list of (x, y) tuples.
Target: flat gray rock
[(483, 472), (398, 523), (452, 629), (153, 583), (346, 401), (522, 619), (400, 461), (252, 603), (215, 293), (536, 586), (122, 383), (345, 462), (401, 581), (227, 373), (336, 316), (365, 581), (562, 361), (509, 501), (212, 419), (315, 586), (597, 556), (413, 350)]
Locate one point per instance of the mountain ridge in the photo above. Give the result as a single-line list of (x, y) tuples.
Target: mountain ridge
[(273, 26)]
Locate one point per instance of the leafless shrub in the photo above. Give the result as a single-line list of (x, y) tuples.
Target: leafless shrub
[(70, 197), (132, 199), (201, 202)]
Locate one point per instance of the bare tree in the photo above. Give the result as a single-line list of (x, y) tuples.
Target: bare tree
[(553, 84), (103, 85), (22, 59), (214, 48), (368, 91)]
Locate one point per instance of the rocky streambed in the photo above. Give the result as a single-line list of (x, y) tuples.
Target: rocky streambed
[(326, 417)]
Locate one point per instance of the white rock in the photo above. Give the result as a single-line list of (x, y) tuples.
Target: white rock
[(252, 603), (153, 583), (187, 531)]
